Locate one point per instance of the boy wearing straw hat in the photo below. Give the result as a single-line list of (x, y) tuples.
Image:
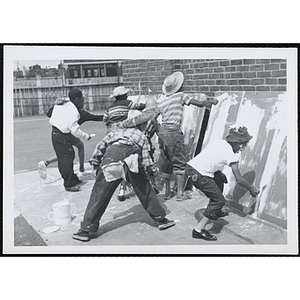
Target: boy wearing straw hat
[(203, 167), (170, 106)]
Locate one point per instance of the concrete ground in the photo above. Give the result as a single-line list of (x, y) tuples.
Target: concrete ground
[(126, 227)]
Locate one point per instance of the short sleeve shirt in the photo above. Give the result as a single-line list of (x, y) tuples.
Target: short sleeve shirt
[(214, 157), (171, 107)]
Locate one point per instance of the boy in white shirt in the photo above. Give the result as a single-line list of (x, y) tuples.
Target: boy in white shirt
[(211, 161), (64, 121)]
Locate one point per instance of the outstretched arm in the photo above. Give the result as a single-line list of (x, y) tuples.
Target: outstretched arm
[(242, 181), (203, 102), (86, 116)]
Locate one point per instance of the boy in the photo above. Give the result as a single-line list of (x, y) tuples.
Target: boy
[(170, 106), (204, 168)]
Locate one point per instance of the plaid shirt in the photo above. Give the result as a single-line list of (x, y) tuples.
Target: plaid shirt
[(126, 136)]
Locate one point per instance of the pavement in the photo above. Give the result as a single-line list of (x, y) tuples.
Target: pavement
[(125, 227)]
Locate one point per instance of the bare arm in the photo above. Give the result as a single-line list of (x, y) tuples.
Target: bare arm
[(242, 181), (203, 102)]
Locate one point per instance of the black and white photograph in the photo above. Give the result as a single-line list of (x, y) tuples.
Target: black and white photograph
[(150, 150)]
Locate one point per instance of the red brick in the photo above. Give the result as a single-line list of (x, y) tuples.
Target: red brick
[(214, 64), (225, 88), (214, 76), (257, 81), (271, 81), (272, 67), (280, 73), (236, 75), (230, 69), (263, 61), (220, 82), (236, 62), (236, 88), (278, 60), (214, 88), (263, 74), (242, 68), (209, 82), (278, 88), (250, 74), (248, 61), (232, 82), (248, 88), (219, 70), (204, 89), (244, 81), (224, 63), (282, 81), (263, 88), (208, 70), (257, 68), (283, 66)]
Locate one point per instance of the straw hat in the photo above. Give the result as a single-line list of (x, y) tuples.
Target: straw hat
[(239, 136), (119, 91), (172, 83)]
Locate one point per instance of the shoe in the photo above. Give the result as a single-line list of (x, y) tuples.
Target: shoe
[(169, 195), (81, 182), (182, 197), (165, 223), (121, 198), (42, 169), (222, 214), (204, 234), (75, 188), (81, 235)]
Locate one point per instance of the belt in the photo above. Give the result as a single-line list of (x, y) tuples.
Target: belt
[(170, 127)]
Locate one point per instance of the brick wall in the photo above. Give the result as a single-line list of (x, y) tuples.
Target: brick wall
[(207, 75)]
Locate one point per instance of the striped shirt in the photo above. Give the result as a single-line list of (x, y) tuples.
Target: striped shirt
[(118, 111), (126, 136), (171, 107)]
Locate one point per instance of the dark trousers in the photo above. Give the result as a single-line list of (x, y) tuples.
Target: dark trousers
[(62, 144), (173, 143), (212, 188), (103, 191)]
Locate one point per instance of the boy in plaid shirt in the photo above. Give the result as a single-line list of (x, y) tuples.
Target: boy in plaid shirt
[(121, 154)]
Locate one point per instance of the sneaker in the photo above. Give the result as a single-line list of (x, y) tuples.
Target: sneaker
[(182, 197), (121, 198), (203, 234), (42, 169), (81, 235), (165, 223), (75, 188), (169, 195)]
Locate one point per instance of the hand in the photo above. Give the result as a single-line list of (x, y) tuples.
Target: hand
[(214, 101), (152, 170), (95, 161), (92, 135), (254, 192)]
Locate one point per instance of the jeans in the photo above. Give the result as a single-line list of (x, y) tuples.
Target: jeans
[(103, 191), (175, 150)]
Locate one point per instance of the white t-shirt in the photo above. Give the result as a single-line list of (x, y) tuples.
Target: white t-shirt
[(65, 118), (214, 157)]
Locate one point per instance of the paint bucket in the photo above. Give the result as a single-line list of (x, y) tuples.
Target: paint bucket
[(60, 213)]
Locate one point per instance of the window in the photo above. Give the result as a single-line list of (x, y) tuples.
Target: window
[(75, 73), (111, 70), (96, 72)]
